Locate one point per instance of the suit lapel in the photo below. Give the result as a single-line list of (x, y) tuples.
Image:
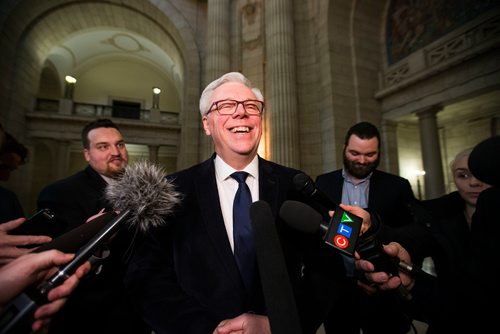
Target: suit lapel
[(338, 184), (374, 197), (96, 181), (268, 185), (211, 216)]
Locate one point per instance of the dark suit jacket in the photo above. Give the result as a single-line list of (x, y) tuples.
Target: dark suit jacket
[(184, 276), (74, 199), (389, 197), (99, 304)]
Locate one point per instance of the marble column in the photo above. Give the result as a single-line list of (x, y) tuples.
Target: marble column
[(281, 83), (217, 60), (66, 102), (431, 153), (389, 147), (218, 56)]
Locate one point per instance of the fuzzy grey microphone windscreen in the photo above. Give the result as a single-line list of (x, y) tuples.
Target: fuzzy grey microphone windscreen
[(144, 189)]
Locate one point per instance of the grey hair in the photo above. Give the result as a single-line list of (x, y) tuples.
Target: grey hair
[(206, 95), (460, 155)]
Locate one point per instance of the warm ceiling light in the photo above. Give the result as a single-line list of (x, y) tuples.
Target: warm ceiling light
[(156, 90), (70, 79)]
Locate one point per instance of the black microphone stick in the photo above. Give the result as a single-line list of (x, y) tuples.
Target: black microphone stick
[(306, 186), (276, 286), (343, 230)]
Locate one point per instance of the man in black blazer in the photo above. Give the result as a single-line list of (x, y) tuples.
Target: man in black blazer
[(99, 305), (360, 183), (184, 276)]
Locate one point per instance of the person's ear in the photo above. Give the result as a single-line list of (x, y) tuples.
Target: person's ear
[(206, 125), (86, 154)]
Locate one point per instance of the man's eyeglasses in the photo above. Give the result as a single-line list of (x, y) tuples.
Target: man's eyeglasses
[(228, 107)]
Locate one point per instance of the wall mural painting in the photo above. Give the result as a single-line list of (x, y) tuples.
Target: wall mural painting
[(413, 24)]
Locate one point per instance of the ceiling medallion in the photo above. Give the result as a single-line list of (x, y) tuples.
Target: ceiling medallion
[(125, 43)]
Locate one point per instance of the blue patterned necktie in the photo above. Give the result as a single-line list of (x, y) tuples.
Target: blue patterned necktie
[(244, 248)]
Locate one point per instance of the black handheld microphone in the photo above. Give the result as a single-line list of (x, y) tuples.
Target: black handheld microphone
[(370, 248), (342, 232), (304, 218), (143, 196), (344, 227), (276, 286), (306, 186)]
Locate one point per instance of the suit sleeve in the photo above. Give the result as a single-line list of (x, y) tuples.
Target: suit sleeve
[(67, 213)]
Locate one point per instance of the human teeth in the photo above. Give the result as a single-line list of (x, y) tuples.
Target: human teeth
[(240, 129)]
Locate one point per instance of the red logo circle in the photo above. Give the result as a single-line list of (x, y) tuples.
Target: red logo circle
[(340, 241)]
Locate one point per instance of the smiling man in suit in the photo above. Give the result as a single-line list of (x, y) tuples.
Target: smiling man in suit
[(360, 183), (100, 304), (186, 277)]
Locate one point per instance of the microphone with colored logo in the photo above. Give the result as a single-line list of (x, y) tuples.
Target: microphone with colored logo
[(341, 233), (343, 230)]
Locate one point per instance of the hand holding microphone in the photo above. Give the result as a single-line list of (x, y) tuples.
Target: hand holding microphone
[(142, 196), (380, 280), (369, 249), (343, 230), (368, 246), (304, 218), (29, 269)]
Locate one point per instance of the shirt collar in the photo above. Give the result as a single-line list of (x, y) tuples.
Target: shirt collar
[(106, 178), (224, 171), (348, 177)]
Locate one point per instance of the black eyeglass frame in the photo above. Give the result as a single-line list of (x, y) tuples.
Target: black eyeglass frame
[(216, 104)]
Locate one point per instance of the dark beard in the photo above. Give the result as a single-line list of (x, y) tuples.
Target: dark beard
[(360, 171)]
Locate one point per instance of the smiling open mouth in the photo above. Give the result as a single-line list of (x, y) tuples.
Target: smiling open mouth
[(240, 129)]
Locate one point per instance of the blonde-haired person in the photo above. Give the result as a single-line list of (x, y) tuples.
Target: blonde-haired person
[(468, 186), (462, 202), (445, 301)]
